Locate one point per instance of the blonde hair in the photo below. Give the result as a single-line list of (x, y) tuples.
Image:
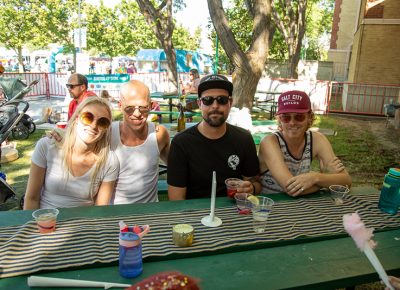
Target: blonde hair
[(101, 148)]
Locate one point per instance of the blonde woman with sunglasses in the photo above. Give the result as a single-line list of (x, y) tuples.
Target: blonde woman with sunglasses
[(80, 172), (285, 157)]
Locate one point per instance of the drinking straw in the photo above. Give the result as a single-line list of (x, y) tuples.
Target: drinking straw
[(36, 281)]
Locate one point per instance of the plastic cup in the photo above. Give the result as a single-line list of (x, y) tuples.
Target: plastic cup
[(231, 186), (61, 125), (46, 219), (243, 205), (338, 192), (261, 212)]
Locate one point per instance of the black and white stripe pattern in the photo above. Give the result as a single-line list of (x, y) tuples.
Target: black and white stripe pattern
[(79, 242)]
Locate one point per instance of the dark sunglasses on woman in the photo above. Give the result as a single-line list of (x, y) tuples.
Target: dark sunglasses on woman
[(208, 100), (88, 118), (286, 118)]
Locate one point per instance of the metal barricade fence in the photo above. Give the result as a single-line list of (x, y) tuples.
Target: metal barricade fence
[(50, 84), (337, 97), (362, 99)]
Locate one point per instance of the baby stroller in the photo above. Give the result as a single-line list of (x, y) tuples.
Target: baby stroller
[(10, 121), (19, 124)]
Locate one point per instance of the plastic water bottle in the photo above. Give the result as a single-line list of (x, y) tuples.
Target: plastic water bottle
[(389, 200), (130, 255)]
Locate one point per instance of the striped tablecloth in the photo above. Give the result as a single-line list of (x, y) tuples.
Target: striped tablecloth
[(79, 242)]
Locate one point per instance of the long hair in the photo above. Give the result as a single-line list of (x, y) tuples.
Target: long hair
[(195, 73), (101, 148)]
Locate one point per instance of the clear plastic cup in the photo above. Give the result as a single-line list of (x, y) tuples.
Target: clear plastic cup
[(231, 186), (261, 211), (338, 192), (46, 219), (243, 205)]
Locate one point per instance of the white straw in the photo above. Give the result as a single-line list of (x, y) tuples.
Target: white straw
[(36, 281), (213, 194)]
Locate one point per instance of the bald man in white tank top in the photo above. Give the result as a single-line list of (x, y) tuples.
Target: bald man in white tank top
[(139, 145)]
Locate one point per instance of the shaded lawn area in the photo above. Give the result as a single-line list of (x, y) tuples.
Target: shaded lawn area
[(357, 153)]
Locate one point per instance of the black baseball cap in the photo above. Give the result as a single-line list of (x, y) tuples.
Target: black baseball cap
[(214, 82)]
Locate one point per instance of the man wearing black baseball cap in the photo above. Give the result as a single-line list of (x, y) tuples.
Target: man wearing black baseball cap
[(212, 145)]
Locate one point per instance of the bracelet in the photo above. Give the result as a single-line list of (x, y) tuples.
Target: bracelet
[(254, 188)]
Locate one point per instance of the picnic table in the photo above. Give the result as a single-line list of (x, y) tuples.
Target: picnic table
[(266, 101), (170, 98), (304, 246)]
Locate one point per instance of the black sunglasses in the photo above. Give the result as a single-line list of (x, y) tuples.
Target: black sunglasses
[(71, 86), (286, 118), (221, 100), (131, 109), (88, 118)]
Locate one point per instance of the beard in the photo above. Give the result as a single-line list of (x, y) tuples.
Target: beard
[(215, 121)]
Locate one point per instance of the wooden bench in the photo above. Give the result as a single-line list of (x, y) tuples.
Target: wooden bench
[(173, 114), (162, 187), (266, 101)]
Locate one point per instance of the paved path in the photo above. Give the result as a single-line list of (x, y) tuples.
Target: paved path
[(36, 106)]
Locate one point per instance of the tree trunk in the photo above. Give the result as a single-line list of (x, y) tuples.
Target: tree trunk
[(172, 65), (20, 60), (293, 30), (73, 60), (248, 65), (293, 66), (161, 21), (245, 86)]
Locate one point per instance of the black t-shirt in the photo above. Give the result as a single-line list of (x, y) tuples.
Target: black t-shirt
[(193, 158)]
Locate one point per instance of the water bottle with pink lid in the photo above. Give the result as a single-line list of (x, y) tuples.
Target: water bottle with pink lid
[(130, 250)]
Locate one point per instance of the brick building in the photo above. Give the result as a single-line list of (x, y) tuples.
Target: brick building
[(364, 41)]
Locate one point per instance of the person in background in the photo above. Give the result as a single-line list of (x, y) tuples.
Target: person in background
[(285, 157), (191, 88), (77, 86), (131, 68), (194, 81), (212, 145), (105, 95), (82, 170), (139, 145)]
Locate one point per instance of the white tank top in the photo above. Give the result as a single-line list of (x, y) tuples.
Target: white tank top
[(138, 175)]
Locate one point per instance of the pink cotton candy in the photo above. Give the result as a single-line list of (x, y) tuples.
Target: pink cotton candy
[(356, 229)]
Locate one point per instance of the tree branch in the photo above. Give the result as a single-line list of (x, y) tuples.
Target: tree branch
[(250, 8)]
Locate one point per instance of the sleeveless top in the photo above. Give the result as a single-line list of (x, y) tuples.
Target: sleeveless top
[(296, 166), (138, 175)]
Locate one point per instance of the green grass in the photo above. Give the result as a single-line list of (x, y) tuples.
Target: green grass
[(363, 156)]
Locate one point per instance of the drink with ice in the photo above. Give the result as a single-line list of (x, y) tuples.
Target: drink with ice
[(260, 220), (261, 210)]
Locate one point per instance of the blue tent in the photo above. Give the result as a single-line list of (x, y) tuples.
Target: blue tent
[(154, 60)]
